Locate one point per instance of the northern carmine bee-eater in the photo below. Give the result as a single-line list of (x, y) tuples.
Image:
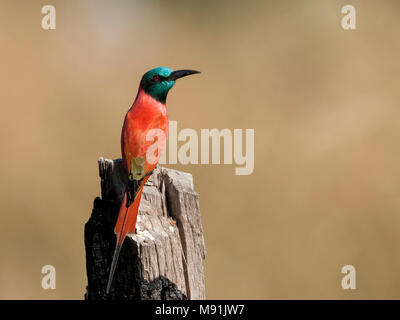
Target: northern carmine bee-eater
[(145, 125)]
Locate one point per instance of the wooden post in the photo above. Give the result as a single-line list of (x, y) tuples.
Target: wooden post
[(164, 258)]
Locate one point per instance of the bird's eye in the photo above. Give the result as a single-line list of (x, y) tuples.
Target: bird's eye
[(156, 78)]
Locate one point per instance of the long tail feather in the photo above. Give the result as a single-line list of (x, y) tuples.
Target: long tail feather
[(126, 223), (113, 266), (123, 213)]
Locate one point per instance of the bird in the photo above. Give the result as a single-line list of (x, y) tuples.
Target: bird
[(143, 139)]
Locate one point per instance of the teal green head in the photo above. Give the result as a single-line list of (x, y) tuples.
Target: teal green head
[(158, 81)]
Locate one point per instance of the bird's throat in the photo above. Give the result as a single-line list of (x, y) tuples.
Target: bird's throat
[(160, 90)]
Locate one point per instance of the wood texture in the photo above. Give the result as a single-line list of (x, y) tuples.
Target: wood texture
[(164, 258)]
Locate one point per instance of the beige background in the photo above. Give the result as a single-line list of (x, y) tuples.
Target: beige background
[(324, 104)]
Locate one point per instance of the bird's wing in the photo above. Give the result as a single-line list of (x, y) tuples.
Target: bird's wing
[(142, 140)]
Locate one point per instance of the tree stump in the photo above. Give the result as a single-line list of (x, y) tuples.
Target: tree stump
[(164, 258)]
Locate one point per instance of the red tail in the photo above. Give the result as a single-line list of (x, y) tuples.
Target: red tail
[(125, 224)]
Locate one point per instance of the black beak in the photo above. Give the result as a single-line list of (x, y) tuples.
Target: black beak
[(182, 73)]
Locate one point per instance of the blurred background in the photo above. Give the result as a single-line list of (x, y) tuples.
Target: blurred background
[(324, 103)]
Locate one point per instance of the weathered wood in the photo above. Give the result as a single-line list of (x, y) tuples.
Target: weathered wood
[(164, 258)]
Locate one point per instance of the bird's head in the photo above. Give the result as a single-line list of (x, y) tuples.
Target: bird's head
[(158, 81)]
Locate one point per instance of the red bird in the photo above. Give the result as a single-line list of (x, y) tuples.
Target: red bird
[(143, 140)]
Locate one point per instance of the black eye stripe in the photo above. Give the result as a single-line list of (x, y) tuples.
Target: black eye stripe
[(158, 78)]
